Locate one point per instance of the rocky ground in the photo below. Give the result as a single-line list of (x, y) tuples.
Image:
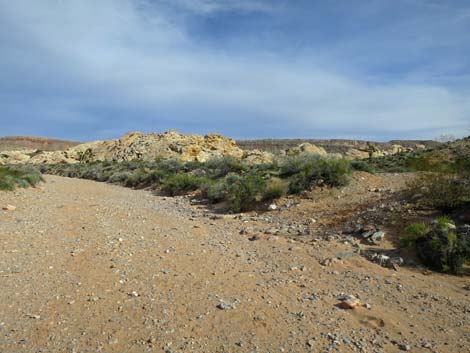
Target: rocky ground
[(92, 267)]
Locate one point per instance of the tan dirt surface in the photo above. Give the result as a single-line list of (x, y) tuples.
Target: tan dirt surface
[(92, 267)]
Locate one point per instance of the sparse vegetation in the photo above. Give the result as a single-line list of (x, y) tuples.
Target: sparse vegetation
[(12, 177), (306, 171), (443, 190), (413, 232), (178, 184), (223, 179), (441, 245), (275, 189)]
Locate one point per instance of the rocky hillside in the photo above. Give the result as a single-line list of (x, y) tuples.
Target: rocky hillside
[(15, 143), (135, 145), (451, 150), (171, 144)]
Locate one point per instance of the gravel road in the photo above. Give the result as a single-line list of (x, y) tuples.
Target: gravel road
[(92, 267)]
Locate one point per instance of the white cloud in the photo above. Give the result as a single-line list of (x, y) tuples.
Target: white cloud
[(112, 53)]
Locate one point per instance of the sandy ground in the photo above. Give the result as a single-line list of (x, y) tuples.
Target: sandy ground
[(92, 267)]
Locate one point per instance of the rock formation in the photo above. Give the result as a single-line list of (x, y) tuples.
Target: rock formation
[(306, 148), (136, 145)]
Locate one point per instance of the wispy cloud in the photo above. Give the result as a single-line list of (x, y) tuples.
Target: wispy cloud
[(90, 69), (209, 6)]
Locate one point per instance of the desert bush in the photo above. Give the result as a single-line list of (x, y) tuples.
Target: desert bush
[(220, 167), (169, 166), (412, 232), (362, 166), (12, 177), (119, 177), (445, 247), (216, 192), (308, 171), (220, 179), (275, 189), (442, 191), (178, 184), (243, 190)]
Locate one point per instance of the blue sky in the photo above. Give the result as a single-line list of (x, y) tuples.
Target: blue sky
[(88, 69)]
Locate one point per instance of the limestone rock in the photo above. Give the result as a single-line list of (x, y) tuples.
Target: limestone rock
[(136, 145), (257, 157), (15, 157), (397, 149), (307, 148), (349, 302), (355, 153)]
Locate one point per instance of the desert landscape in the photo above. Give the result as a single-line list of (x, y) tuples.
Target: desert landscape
[(234, 176), (142, 257)]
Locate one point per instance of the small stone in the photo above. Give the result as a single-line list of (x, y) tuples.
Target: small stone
[(349, 302), (272, 207), (9, 208), (225, 306), (255, 237), (330, 261), (367, 306), (405, 347), (259, 317), (377, 236), (133, 294)]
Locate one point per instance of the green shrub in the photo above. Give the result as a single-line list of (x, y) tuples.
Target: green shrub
[(178, 184), (119, 177), (445, 247), (12, 177), (242, 190), (220, 167), (413, 232), (169, 166), (307, 171), (220, 179), (217, 191), (362, 166), (444, 222), (274, 190), (442, 191)]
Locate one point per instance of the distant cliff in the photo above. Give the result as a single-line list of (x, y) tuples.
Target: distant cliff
[(331, 146), (15, 143)]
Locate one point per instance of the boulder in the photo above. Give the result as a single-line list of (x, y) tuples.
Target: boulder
[(15, 157), (257, 157), (354, 153), (307, 148), (397, 149)]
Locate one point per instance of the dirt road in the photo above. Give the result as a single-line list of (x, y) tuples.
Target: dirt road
[(92, 267)]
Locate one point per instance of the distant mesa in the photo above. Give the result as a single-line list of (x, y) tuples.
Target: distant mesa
[(14, 143)]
